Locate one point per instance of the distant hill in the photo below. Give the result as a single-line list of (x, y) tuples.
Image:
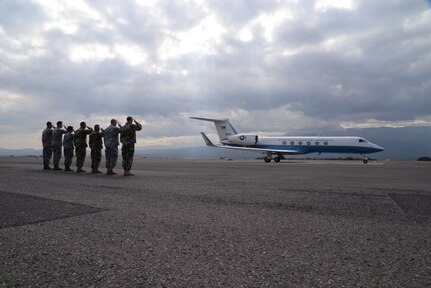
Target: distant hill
[(20, 152), (408, 143)]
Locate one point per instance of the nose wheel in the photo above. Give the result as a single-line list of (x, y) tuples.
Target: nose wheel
[(365, 160)]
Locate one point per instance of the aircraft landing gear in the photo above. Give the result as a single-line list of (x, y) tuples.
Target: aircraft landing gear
[(268, 158), (365, 160)]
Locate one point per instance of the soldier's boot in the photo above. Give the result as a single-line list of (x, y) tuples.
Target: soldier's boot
[(80, 170), (95, 170), (67, 168), (110, 171), (128, 173), (46, 168), (57, 168)]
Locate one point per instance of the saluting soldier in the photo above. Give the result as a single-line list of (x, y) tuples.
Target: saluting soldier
[(47, 145), (110, 136), (128, 139), (96, 147), (57, 141), (80, 140), (68, 148)]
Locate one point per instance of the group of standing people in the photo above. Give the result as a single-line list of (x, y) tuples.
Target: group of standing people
[(53, 142)]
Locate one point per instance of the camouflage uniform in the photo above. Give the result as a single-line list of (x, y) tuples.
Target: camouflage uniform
[(47, 146), (110, 137), (57, 137), (128, 139), (80, 141), (96, 147), (68, 150)]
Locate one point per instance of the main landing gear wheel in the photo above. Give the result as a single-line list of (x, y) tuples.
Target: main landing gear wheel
[(276, 159), (267, 159), (365, 160)]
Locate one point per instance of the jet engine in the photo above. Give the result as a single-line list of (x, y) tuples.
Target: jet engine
[(243, 139)]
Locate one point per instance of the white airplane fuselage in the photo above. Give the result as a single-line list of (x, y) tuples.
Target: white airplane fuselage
[(303, 144), (291, 145)]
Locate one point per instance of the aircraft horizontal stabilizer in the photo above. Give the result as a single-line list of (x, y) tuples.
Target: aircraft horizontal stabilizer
[(207, 140)]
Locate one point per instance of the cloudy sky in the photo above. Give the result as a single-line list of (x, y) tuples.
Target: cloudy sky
[(274, 66)]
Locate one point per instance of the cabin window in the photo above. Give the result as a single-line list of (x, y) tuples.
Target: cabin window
[(308, 143), (300, 143), (292, 142), (325, 143), (317, 143)]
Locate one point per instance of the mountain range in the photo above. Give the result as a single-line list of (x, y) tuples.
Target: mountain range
[(407, 143)]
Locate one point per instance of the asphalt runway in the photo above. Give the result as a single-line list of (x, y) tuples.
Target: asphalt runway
[(217, 223)]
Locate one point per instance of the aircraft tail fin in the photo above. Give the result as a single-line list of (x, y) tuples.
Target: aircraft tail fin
[(223, 126)]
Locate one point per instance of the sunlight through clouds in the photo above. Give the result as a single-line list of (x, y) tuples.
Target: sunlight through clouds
[(68, 15), (91, 52), (10, 101), (245, 35), (324, 5), (272, 21), (200, 39), (132, 54)]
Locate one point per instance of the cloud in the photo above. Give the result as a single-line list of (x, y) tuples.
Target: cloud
[(277, 66)]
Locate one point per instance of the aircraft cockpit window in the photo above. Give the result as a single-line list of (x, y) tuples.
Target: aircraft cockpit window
[(362, 141)]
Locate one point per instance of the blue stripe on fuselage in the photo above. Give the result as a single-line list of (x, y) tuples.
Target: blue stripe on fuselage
[(320, 149)]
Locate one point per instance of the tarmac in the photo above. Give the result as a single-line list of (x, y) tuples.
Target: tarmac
[(217, 223)]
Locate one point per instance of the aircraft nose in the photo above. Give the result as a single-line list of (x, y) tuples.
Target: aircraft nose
[(379, 148)]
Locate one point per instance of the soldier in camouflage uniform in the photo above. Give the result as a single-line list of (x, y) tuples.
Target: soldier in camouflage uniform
[(96, 147), (68, 148), (80, 141), (57, 137), (110, 136), (128, 139), (47, 145)]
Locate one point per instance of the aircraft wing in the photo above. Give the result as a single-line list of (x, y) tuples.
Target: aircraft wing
[(279, 151)]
